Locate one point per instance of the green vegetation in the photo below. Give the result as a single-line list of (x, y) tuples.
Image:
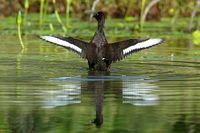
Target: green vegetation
[(119, 28), (170, 19), (141, 13), (41, 12), (19, 22), (26, 7), (196, 37), (58, 17), (67, 12)]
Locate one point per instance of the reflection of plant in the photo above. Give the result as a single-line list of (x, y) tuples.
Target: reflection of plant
[(18, 61), (19, 22)]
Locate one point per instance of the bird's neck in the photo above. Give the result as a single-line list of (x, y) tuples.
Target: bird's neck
[(100, 26)]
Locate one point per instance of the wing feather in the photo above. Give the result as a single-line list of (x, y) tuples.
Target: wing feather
[(70, 43), (127, 47)]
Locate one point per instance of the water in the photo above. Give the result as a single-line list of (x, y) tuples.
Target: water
[(48, 89)]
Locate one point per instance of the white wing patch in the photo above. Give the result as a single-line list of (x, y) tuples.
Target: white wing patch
[(142, 45), (60, 42)]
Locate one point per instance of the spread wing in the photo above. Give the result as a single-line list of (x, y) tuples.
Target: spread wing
[(70, 43), (124, 48)]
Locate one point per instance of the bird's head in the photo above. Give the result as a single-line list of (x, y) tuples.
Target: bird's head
[(99, 16)]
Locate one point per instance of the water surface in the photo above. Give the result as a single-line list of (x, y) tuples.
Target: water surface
[(48, 89)]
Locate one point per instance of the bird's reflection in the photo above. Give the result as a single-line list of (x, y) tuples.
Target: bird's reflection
[(71, 90), (98, 88), (133, 90)]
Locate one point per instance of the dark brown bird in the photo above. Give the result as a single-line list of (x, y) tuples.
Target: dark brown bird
[(98, 52)]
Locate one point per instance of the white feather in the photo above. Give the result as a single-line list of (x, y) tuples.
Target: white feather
[(61, 43), (141, 45)]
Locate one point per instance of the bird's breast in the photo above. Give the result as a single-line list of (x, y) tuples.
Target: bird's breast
[(99, 40)]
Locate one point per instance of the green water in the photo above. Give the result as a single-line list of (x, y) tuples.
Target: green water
[(49, 89)]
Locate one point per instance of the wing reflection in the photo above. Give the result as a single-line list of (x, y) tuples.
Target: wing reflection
[(139, 93), (69, 94), (133, 90)]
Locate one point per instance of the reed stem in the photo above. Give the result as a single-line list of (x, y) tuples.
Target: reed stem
[(67, 11), (141, 14), (26, 6), (41, 12), (58, 17), (19, 22)]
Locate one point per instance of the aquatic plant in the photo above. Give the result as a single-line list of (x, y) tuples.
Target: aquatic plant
[(41, 12), (58, 17), (87, 2), (51, 27), (141, 14), (19, 22), (147, 9), (60, 21), (26, 6), (196, 37), (95, 2), (68, 3), (174, 19), (193, 14), (45, 9)]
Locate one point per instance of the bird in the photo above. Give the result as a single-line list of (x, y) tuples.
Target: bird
[(98, 52)]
